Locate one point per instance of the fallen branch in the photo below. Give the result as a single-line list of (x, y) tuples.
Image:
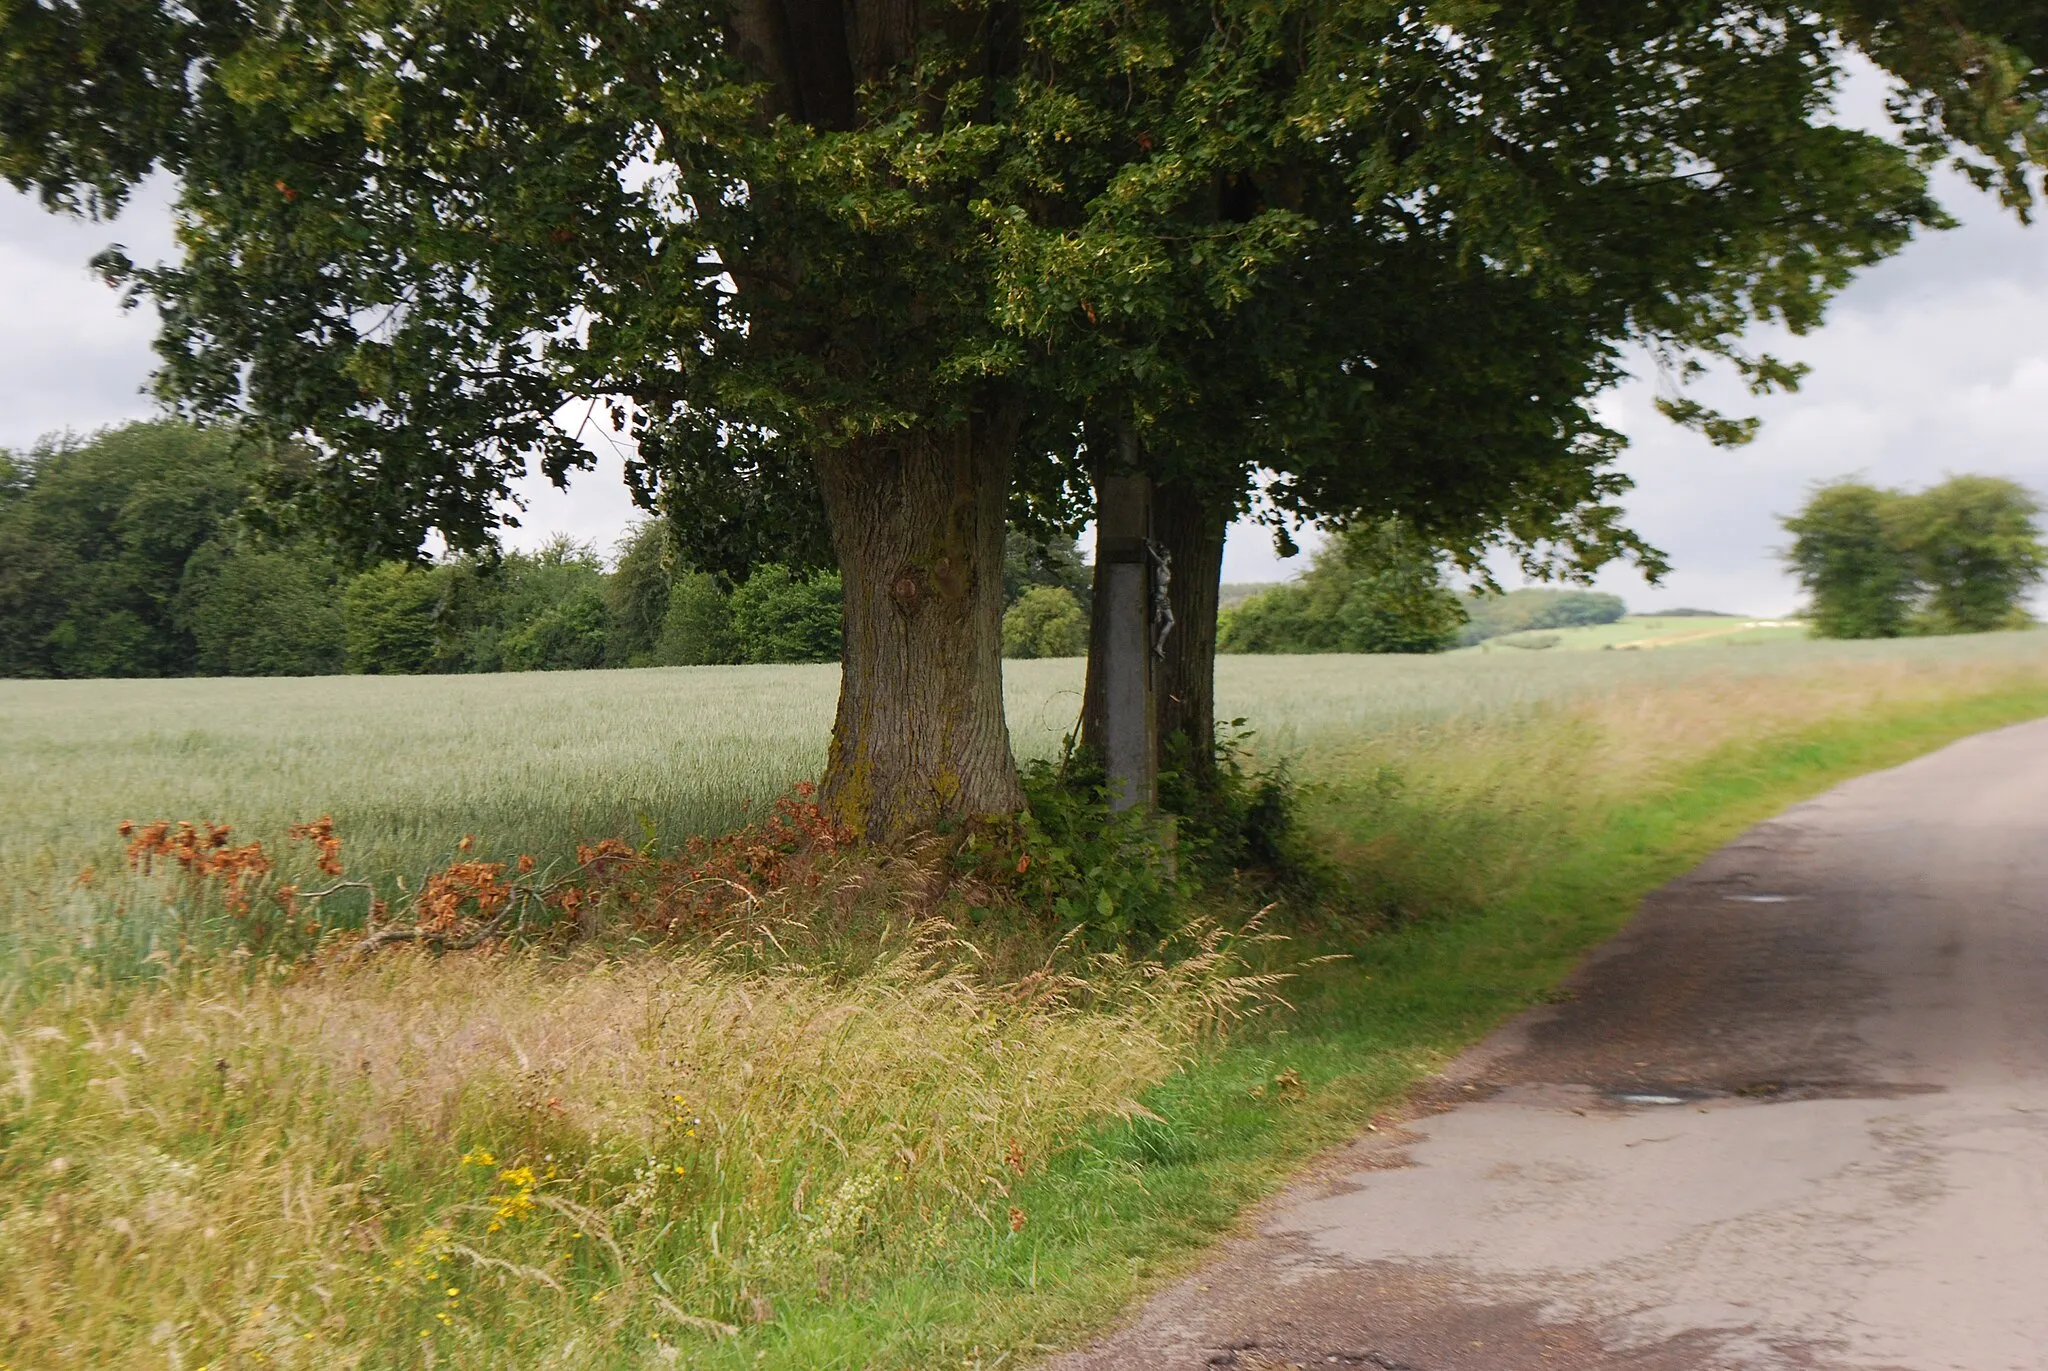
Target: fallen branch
[(315, 896), (444, 940), (440, 942)]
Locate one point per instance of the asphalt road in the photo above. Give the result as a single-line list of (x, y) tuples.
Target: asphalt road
[(1796, 1116)]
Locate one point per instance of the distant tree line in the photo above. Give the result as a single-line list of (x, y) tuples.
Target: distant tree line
[(136, 552), (1374, 588), (1378, 588), (666, 613), (1959, 557), (140, 551), (1534, 608)]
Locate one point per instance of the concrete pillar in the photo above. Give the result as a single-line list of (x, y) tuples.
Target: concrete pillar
[(1124, 668)]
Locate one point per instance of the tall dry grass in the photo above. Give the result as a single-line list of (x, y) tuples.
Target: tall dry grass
[(508, 1160), (1621, 728)]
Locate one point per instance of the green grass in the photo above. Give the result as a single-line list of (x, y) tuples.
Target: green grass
[(898, 1162)]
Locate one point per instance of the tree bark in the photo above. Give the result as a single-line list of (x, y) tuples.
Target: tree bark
[(1191, 530), (917, 523), (1118, 714)]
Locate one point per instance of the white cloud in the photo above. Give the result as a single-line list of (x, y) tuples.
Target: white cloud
[(595, 508), (70, 357)]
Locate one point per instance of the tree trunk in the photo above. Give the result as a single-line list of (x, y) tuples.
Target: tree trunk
[(1191, 531), (917, 524), (1118, 715)]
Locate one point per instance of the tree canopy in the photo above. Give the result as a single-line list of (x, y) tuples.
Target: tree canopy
[(1392, 253), (1392, 258)]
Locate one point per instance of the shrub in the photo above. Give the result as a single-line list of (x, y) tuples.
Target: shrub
[(1283, 619), (263, 612), (780, 617), (1376, 588), (696, 629), (1128, 877), (390, 617), (1091, 867), (537, 611), (567, 635), (681, 617), (1243, 819), (1046, 621)]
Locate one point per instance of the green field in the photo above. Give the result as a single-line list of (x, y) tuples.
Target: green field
[(850, 1147), (537, 762), (1649, 633)]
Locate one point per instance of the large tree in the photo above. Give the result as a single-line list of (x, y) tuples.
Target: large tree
[(1846, 552), (859, 246), (415, 233), (1975, 546)]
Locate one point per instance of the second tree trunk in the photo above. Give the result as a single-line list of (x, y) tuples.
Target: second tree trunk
[(1191, 531)]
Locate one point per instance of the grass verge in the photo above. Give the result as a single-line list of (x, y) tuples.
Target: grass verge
[(678, 1156)]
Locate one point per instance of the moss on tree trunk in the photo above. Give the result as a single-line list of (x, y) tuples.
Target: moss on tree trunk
[(917, 523)]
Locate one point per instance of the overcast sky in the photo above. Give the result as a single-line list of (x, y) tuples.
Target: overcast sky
[(1934, 362)]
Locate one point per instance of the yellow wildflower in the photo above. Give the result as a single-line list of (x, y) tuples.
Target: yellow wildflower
[(519, 1203)]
